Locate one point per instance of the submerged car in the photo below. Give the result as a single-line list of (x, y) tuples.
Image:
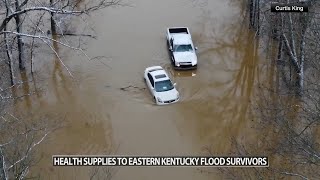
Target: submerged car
[(160, 86)]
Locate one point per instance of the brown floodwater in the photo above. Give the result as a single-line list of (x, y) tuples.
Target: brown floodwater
[(98, 116)]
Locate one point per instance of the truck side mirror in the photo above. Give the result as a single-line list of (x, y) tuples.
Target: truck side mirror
[(196, 48)]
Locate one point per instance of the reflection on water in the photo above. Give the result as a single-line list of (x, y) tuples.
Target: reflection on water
[(220, 108), (186, 74)]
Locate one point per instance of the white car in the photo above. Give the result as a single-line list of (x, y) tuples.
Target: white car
[(160, 85)]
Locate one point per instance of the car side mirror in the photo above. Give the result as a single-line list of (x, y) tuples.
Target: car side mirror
[(196, 48), (170, 49), (175, 84)]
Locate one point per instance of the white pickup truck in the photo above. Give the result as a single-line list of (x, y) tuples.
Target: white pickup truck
[(181, 48)]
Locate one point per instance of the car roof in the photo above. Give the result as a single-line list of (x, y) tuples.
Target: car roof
[(159, 75), (181, 39)]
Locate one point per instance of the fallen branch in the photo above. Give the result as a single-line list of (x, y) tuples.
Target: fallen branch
[(74, 34), (135, 87), (294, 174)]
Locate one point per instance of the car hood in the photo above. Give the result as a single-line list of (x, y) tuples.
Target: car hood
[(185, 57), (167, 95)]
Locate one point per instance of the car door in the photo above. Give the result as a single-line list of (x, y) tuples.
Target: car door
[(150, 83)]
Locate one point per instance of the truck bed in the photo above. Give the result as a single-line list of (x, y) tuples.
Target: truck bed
[(178, 31)]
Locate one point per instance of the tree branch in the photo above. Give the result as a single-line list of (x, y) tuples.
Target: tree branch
[(28, 151), (294, 174), (75, 34), (57, 55), (290, 52), (101, 5)]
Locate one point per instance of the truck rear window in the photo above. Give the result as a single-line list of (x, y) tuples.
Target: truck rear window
[(179, 30)]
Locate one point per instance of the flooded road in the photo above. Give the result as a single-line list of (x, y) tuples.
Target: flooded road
[(100, 116)]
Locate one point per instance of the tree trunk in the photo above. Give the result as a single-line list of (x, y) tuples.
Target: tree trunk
[(22, 61), (31, 57), (258, 16), (251, 12), (301, 73), (3, 174), (9, 54), (53, 23), (292, 37), (305, 20), (254, 14), (280, 49), (10, 59)]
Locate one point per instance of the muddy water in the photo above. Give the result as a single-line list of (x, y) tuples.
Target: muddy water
[(99, 116)]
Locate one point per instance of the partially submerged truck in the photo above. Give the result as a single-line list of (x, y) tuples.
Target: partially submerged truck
[(181, 48)]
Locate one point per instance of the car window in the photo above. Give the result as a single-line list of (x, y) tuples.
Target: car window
[(151, 79), (162, 86), (183, 48)]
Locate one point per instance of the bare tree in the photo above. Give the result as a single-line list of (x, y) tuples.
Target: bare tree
[(19, 137), (287, 124), (291, 31), (23, 27), (17, 151), (22, 63), (25, 14)]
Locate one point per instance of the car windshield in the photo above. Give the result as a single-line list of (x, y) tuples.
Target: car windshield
[(162, 86), (183, 48)]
